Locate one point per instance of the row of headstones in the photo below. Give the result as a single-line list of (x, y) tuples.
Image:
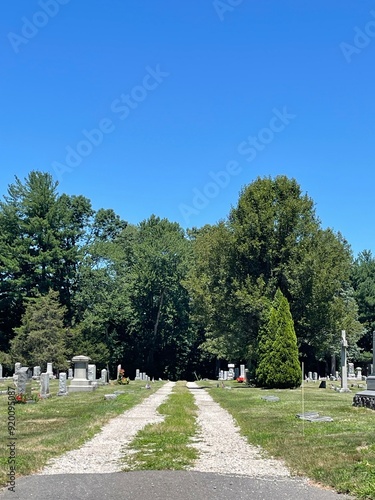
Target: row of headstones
[(23, 381), (352, 373), (232, 373), (141, 376)]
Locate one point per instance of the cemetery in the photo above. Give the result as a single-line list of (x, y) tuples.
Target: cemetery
[(151, 325)]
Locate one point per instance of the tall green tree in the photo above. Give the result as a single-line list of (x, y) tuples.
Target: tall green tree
[(40, 238), (278, 351), (272, 239), (363, 282), (156, 258), (41, 338)]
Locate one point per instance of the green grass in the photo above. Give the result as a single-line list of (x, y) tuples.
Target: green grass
[(59, 424), (166, 445), (339, 454)]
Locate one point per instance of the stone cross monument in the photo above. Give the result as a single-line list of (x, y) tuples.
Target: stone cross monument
[(344, 372)]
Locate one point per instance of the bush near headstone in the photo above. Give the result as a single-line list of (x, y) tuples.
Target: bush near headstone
[(122, 380)]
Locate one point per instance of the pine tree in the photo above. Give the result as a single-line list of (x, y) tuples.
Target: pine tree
[(278, 351), (41, 337)]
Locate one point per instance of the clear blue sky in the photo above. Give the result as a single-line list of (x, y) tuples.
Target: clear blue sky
[(171, 92)]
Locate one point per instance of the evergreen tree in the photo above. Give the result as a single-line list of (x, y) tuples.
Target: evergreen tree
[(41, 337), (278, 364)]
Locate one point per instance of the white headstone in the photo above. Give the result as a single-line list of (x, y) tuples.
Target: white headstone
[(242, 371), (358, 373), (22, 380), (36, 371), (17, 367), (137, 374), (118, 371), (62, 385), (103, 377), (310, 375), (91, 373), (50, 370), (70, 373), (315, 376), (351, 372), (44, 385), (225, 375)]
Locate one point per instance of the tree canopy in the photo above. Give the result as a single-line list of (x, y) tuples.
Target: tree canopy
[(167, 301)]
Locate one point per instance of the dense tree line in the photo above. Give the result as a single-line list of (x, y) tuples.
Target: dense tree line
[(173, 302)]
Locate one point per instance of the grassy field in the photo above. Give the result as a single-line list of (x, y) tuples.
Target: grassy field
[(339, 454), (52, 426), (165, 445)]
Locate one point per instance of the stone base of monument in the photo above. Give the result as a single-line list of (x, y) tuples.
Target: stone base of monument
[(365, 399), (370, 382), (77, 385)]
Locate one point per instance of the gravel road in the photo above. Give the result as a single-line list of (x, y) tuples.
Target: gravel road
[(103, 452)]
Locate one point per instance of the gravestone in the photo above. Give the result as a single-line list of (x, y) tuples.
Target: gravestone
[(351, 372), (44, 385), (242, 371), (50, 370), (118, 371), (137, 374), (80, 382), (36, 371), (103, 377), (236, 373), (273, 399), (358, 371), (1, 370), (313, 416), (70, 373), (221, 375), (91, 373), (315, 376), (110, 396), (17, 367), (344, 374), (225, 375), (22, 380), (231, 371), (62, 385), (310, 376), (367, 398)]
